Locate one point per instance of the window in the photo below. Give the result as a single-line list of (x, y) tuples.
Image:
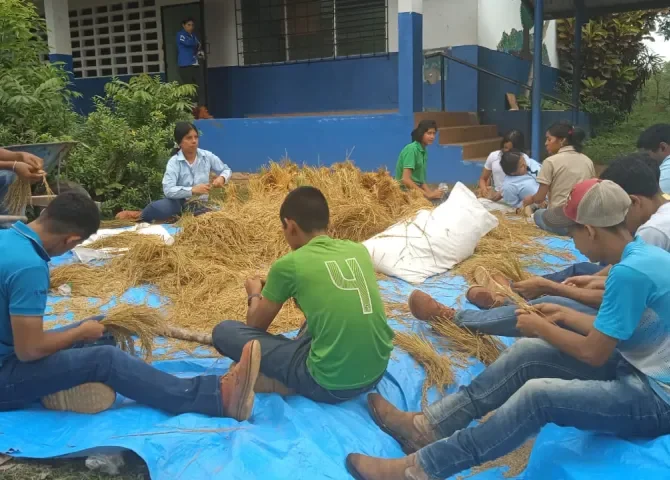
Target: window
[(279, 31), (126, 53)]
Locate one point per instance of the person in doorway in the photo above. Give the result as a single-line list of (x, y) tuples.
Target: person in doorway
[(520, 178), (565, 167), (579, 287), (656, 142), (609, 366), (78, 368), (346, 345), (23, 165), (412, 163), (189, 52), (492, 178), (186, 181)]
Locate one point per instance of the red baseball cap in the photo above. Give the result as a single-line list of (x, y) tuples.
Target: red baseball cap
[(595, 202)]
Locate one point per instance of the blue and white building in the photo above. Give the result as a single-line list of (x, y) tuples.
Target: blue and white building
[(319, 79)]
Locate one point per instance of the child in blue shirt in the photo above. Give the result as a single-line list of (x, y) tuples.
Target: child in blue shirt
[(520, 177)]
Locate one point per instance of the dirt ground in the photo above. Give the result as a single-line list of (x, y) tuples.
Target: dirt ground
[(69, 470)]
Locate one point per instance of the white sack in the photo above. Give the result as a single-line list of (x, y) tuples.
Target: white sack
[(432, 242)]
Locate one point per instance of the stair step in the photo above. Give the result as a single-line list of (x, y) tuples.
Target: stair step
[(480, 148), (448, 119), (467, 133)]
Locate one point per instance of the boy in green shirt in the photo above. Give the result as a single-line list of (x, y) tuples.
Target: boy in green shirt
[(347, 343)]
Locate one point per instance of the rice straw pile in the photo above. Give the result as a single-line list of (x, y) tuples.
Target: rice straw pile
[(202, 274), (17, 197), (125, 321), (438, 368), (484, 348)]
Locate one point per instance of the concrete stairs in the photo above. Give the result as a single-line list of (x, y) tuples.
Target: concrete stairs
[(464, 139)]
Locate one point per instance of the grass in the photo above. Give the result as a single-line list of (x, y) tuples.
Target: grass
[(72, 469)]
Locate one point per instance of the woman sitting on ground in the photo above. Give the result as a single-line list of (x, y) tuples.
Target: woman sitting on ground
[(566, 167), (186, 182), (410, 170), (492, 178)]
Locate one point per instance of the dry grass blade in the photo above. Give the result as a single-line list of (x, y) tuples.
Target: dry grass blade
[(121, 240), (47, 188), (439, 371), (17, 197), (117, 223), (507, 291), (484, 348), (125, 321), (516, 462)]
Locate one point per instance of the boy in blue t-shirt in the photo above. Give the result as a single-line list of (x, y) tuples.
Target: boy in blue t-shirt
[(608, 374), (79, 368), (520, 178)]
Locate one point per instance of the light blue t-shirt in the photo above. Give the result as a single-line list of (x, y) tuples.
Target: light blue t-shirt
[(636, 311), (180, 176), (665, 176), (516, 188), (24, 280)]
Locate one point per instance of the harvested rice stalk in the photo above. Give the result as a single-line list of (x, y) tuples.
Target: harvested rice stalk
[(17, 197), (516, 462), (88, 281), (188, 335), (438, 367), (121, 240), (484, 348), (507, 291), (125, 321), (116, 223), (47, 188)]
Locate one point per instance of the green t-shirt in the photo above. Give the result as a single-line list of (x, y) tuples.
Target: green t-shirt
[(414, 157), (335, 285)]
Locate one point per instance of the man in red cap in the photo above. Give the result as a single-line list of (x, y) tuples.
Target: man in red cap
[(608, 373)]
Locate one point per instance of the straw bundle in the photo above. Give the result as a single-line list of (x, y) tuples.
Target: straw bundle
[(439, 372), (17, 197), (120, 240), (125, 321), (484, 348), (47, 188), (117, 223)]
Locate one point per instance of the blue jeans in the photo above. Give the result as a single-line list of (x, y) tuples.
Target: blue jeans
[(539, 221), (167, 208), (575, 270), (23, 383), (530, 385), (283, 359), (502, 320)]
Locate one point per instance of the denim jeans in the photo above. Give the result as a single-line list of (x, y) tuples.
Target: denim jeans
[(502, 320), (539, 221), (167, 208), (283, 359), (575, 270), (530, 385), (23, 383)]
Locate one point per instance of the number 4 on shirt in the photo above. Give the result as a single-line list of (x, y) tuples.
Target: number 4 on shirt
[(355, 282)]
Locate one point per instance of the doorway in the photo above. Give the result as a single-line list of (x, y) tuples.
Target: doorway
[(171, 18)]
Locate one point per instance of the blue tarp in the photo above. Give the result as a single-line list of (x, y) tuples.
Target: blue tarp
[(295, 438)]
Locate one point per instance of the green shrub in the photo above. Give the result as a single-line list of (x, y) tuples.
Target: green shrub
[(126, 141), (35, 101)]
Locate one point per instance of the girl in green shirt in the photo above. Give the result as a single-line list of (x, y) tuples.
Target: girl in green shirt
[(411, 167)]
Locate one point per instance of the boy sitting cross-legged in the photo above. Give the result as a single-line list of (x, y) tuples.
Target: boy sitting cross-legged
[(347, 343)]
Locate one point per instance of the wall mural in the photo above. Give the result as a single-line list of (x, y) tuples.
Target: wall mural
[(520, 43)]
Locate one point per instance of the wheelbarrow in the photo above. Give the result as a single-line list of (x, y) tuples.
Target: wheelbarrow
[(53, 154)]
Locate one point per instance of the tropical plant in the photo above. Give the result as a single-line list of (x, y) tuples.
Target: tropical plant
[(126, 141), (615, 61), (35, 100)]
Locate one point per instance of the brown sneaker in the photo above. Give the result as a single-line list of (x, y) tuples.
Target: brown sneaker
[(362, 467), (269, 385), (487, 279), (424, 307), (132, 215), (402, 426), (85, 398), (484, 298), (237, 390)]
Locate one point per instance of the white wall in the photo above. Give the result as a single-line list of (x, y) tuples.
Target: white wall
[(499, 16), (446, 23)]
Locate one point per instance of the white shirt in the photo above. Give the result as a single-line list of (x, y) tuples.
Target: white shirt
[(664, 182), (657, 229), (493, 164)]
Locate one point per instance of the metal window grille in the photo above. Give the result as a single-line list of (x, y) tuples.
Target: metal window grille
[(282, 31), (116, 39)]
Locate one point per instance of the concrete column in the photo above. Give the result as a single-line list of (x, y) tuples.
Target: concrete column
[(410, 56), (58, 31), (536, 102)]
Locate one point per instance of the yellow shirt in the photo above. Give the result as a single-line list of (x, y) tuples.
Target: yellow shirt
[(561, 172)]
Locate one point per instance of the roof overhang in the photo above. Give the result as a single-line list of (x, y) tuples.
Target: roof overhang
[(554, 9)]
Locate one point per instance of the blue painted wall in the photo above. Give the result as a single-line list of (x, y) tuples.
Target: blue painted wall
[(333, 85), (373, 141), (491, 91), (521, 120), (91, 87), (462, 81), (410, 63)]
